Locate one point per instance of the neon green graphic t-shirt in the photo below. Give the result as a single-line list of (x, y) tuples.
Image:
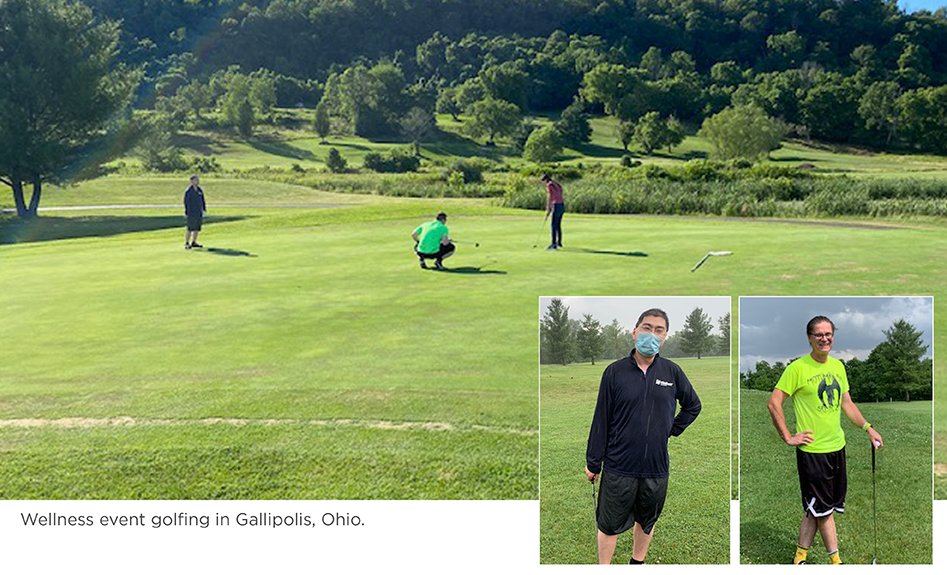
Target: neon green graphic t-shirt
[(429, 236), (816, 390)]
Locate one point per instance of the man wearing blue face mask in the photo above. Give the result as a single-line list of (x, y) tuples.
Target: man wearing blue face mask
[(634, 417)]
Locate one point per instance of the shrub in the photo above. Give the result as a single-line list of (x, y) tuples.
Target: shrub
[(470, 169), (204, 164), (335, 162), (392, 162)]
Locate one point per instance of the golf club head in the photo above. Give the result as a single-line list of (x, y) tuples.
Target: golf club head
[(874, 560)]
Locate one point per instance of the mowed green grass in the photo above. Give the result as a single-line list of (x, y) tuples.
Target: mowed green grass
[(770, 505), (329, 318), (695, 525)]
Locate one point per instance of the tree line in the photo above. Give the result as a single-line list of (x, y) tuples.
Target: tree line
[(565, 340), (895, 370)]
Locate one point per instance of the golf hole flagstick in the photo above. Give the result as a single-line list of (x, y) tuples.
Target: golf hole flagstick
[(708, 256)]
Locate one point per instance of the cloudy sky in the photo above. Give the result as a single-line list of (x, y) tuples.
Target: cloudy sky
[(774, 328), (627, 309)]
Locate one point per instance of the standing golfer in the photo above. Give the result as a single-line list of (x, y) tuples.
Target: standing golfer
[(432, 241), (556, 206), (818, 387), (628, 441), (194, 210)]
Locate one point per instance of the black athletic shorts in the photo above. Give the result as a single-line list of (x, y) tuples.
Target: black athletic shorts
[(624, 501), (823, 481), (446, 250), (194, 223)]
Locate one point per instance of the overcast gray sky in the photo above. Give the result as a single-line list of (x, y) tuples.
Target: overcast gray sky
[(626, 309), (774, 328)]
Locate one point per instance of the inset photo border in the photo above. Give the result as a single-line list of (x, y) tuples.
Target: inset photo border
[(836, 425), (585, 355)]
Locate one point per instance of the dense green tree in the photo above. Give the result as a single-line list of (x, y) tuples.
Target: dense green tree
[(621, 90), (878, 109), (588, 340), (555, 334), (507, 81), (321, 122), (616, 342), (447, 103), (922, 118), (245, 118), (898, 363), (335, 162), (573, 125), (196, 96), (653, 132), (723, 345), (695, 335), (237, 94), (626, 133), (61, 86), (742, 132), (543, 145), (830, 109), (493, 118)]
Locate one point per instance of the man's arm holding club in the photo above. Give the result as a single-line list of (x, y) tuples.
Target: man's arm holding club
[(855, 416)]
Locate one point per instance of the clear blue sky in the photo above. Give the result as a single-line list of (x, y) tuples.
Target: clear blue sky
[(912, 5)]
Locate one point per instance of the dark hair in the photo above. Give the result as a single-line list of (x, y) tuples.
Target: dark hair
[(545, 177), (442, 216), (818, 319), (654, 312)]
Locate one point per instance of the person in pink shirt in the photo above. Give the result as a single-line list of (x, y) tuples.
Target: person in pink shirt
[(555, 206)]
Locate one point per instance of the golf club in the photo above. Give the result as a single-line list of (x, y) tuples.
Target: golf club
[(874, 516), (708, 256), (594, 502), (536, 243)]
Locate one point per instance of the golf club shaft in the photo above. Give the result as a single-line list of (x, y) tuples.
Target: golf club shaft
[(874, 506)]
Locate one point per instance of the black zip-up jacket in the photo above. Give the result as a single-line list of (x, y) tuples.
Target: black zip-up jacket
[(194, 201), (635, 415)]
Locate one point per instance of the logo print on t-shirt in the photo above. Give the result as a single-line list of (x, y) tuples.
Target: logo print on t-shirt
[(827, 393)]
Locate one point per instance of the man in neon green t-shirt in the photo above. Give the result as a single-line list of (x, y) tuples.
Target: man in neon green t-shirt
[(818, 387), (432, 241)]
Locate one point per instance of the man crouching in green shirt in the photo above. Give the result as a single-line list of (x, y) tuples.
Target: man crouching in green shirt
[(818, 386), (432, 241)]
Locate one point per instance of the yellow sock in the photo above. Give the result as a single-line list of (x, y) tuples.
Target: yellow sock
[(834, 556), (801, 554)]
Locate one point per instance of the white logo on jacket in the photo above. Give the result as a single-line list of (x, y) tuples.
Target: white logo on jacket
[(663, 383)]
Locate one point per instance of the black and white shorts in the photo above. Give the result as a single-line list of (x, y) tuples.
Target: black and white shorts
[(823, 481), (624, 501)]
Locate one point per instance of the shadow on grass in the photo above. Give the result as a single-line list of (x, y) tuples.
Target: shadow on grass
[(606, 252), (278, 148), (50, 228), (362, 147), (596, 151), (195, 142), (472, 270), (228, 252), (760, 543)]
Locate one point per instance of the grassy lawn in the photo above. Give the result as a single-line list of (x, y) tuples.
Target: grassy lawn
[(770, 507), (694, 526)]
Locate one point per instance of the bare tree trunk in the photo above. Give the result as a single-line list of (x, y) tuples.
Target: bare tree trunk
[(37, 193), (18, 199)]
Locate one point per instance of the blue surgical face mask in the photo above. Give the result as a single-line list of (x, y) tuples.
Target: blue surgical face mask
[(647, 344)]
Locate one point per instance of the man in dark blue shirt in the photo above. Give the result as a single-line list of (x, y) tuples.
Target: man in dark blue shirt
[(194, 209), (634, 417)]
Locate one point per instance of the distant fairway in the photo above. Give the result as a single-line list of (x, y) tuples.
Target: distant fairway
[(695, 525), (314, 322), (770, 507)]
